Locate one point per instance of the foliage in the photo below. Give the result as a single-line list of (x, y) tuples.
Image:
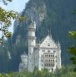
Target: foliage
[(37, 73), (72, 49), (72, 34), (5, 1), (5, 20)]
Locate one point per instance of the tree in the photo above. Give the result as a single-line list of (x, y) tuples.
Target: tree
[(5, 1), (5, 20), (72, 49)]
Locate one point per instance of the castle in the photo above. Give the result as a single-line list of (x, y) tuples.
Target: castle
[(46, 54)]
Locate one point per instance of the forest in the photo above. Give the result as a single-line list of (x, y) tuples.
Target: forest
[(68, 71)]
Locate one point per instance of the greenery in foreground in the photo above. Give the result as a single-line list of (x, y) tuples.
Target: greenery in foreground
[(68, 71), (72, 49)]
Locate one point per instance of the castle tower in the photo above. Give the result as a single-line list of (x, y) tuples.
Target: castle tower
[(59, 56), (31, 45)]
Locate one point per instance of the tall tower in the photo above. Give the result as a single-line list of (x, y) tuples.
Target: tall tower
[(31, 45), (59, 56)]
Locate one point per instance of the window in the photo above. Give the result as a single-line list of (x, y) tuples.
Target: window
[(49, 60), (46, 55), (49, 55), (54, 51), (41, 60), (48, 50), (45, 64), (53, 60), (52, 65), (53, 55), (48, 44)]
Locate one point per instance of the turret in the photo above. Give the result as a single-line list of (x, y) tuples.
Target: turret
[(59, 56), (31, 34), (31, 45)]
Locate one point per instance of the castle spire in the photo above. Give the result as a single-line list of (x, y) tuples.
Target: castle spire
[(49, 33), (59, 45)]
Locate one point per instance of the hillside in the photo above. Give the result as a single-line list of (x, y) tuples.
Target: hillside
[(50, 15)]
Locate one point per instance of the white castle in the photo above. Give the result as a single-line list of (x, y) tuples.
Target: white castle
[(46, 54)]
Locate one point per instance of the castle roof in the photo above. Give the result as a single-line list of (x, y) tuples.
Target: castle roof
[(48, 42)]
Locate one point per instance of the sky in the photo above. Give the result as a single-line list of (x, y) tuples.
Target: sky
[(16, 5)]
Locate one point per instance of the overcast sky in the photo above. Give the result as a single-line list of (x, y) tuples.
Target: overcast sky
[(16, 5)]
